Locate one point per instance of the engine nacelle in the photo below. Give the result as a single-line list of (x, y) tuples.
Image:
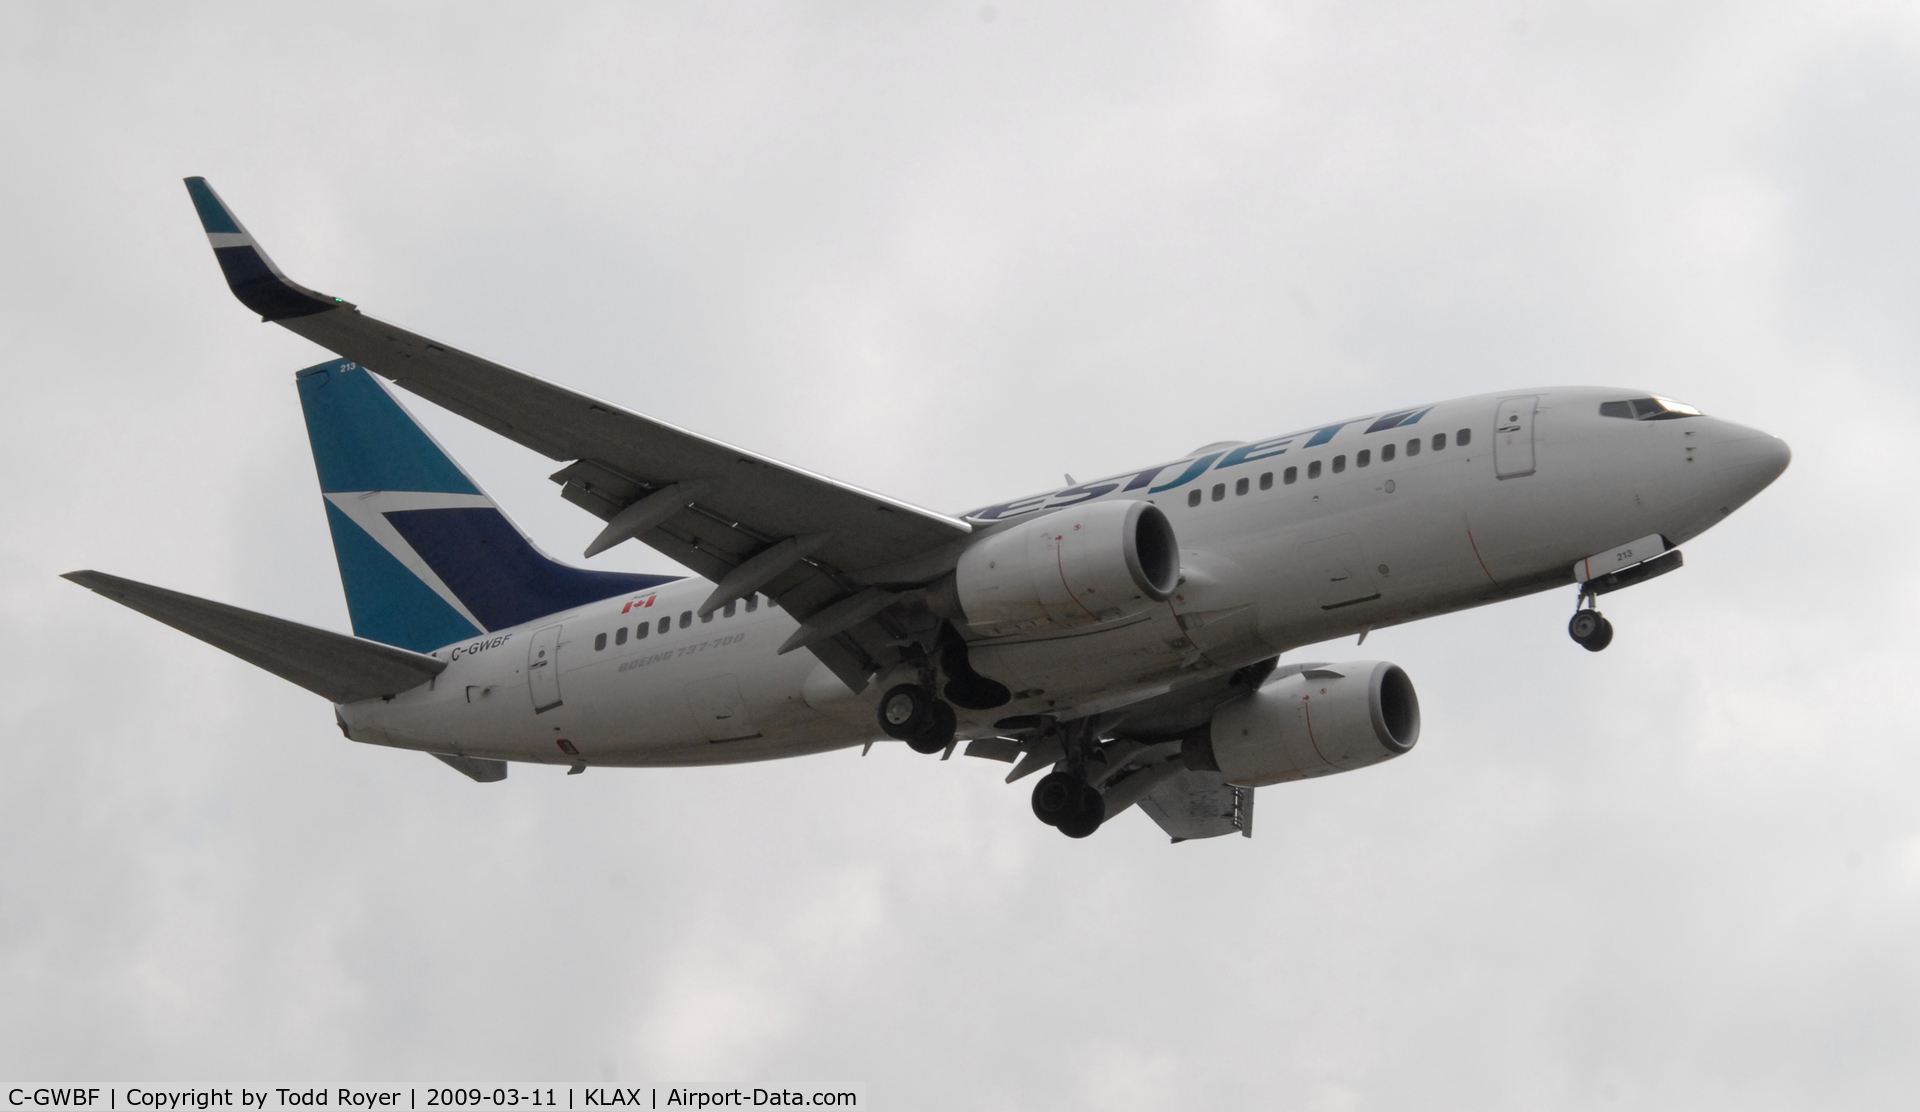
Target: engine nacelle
[(1073, 567), (1326, 718)]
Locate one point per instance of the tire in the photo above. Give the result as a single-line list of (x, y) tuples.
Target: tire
[(906, 712), (1601, 638), (1058, 798), (939, 732), (1584, 626), (1093, 812)]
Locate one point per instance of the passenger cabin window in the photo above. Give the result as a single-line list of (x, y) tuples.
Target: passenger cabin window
[(728, 612), (1339, 464), (1219, 491), (666, 624), (753, 603), (640, 631), (1439, 441), (1463, 438), (620, 636), (1240, 487), (1386, 453), (1291, 475), (707, 617), (1313, 470), (1266, 480), (599, 642), (1648, 409), (1413, 446), (686, 618), (1363, 457), (1193, 497)]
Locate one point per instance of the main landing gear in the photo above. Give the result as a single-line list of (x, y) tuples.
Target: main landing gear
[(1589, 628), (910, 713), (1065, 800)]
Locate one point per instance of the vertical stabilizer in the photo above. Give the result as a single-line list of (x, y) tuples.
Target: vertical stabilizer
[(426, 557)]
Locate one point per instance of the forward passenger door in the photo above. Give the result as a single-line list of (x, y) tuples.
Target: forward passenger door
[(1513, 437)]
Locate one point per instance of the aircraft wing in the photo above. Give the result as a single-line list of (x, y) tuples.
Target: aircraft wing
[(816, 545)]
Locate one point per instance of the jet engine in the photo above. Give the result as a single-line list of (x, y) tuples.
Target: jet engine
[(1073, 567), (1321, 719)]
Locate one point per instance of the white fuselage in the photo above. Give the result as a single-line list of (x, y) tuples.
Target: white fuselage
[(1268, 565)]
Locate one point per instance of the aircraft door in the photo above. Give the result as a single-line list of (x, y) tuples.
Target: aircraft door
[(1513, 437), (543, 668)]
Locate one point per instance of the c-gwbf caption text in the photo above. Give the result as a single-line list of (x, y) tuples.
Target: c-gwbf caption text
[(423, 1098)]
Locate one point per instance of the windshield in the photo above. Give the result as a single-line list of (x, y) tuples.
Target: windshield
[(1648, 409)]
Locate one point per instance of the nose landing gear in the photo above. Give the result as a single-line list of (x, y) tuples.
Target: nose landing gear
[(1589, 628)]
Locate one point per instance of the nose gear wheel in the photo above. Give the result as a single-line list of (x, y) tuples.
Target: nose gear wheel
[(1588, 627)]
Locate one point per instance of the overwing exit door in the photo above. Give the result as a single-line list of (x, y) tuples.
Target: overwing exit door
[(543, 668), (1513, 437)]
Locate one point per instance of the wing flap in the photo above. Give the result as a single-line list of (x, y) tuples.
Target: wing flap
[(334, 666), (771, 498), (1199, 805)]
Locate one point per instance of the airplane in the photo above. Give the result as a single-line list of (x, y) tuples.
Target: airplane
[(1122, 635)]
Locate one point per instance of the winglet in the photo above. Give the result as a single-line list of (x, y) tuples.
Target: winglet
[(250, 274)]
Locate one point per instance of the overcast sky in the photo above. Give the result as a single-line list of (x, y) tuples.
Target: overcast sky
[(949, 251)]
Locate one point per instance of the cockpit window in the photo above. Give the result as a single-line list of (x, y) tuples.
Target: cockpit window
[(1648, 409)]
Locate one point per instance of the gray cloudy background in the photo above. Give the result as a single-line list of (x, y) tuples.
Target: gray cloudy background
[(950, 251)]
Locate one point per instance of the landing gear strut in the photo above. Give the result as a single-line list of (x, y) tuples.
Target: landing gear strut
[(910, 713), (1589, 628)]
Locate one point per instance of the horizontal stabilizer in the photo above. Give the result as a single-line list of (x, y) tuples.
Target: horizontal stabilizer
[(337, 667)]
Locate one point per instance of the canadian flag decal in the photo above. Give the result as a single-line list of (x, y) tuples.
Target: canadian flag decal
[(640, 603)]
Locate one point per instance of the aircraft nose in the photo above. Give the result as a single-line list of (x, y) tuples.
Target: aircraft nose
[(1747, 461)]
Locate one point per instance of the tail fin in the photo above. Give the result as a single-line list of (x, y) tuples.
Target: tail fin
[(426, 557)]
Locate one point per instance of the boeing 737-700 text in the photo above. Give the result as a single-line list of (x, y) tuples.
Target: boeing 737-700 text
[(1122, 634)]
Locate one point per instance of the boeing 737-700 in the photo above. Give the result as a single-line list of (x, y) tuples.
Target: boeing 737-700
[(1124, 635)]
